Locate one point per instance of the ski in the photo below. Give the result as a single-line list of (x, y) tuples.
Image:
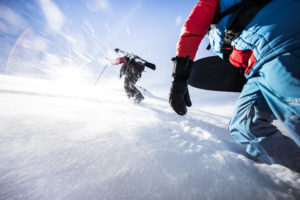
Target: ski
[(136, 58)]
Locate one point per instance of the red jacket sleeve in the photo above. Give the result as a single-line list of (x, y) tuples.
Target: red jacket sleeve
[(196, 27), (118, 61)]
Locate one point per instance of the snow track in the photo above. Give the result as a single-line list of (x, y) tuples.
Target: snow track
[(95, 144)]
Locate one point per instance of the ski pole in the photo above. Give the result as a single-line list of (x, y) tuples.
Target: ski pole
[(101, 74)]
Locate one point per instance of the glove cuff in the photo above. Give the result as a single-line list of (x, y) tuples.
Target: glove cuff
[(181, 68)]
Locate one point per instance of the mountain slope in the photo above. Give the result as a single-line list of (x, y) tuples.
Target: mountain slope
[(92, 143)]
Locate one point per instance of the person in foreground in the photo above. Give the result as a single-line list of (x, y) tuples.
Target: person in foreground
[(268, 49)]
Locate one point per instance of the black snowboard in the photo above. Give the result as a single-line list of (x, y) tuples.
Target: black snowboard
[(212, 73)]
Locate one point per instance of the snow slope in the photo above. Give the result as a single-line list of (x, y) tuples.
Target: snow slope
[(84, 142)]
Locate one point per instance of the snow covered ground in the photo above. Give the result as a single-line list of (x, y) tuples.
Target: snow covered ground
[(84, 142)]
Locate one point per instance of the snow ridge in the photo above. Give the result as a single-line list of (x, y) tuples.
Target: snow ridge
[(95, 144)]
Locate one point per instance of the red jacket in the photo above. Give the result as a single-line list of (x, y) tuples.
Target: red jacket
[(196, 27), (118, 61)]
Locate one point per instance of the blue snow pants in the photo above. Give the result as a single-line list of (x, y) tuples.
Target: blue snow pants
[(274, 93)]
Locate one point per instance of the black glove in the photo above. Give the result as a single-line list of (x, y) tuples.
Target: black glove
[(179, 97)]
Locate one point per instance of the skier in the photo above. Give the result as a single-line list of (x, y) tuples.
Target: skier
[(132, 70), (268, 49)]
